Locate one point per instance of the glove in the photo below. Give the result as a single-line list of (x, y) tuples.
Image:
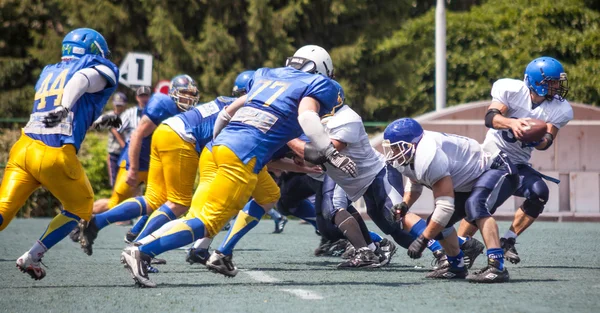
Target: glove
[(107, 121), (400, 210), (417, 247), (55, 116), (330, 155)]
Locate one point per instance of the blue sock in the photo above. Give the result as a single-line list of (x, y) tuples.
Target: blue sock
[(457, 261), (185, 232), (247, 219), (498, 255), (418, 229), (306, 211), (462, 240), (157, 219), (274, 214), (139, 225), (125, 211), (375, 236), (58, 228)]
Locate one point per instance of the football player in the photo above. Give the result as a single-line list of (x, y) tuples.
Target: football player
[(540, 95), (466, 182), (167, 190), (281, 104), (69, 96)]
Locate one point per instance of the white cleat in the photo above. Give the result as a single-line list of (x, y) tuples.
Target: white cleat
[(137, 265), (222, 264), (26, 264)]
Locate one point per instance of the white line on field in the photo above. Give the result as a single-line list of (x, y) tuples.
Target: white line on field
[(300, 293)]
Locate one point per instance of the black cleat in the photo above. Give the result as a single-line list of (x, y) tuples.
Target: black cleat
[(337, 248), (74, 234), (385, 250), (157, 261), (510, 252), (130, 237), (87, 234), (222, 264), (197, 256), (439, 259), (364, 258), (280, 224), (349, 252), (448, 272), (489, 274), (323, 247), (472, 248)]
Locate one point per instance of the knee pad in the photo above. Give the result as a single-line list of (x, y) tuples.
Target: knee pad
[(536, 199)]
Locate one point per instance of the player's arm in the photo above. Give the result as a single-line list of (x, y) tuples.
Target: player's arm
[(289, 165), (144, 129), (87, 80), (225, 115), (118, 137), (495, 117), (412, 192), (551, 133)]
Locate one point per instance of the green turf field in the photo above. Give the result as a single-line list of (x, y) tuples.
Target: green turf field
[(559, 272)]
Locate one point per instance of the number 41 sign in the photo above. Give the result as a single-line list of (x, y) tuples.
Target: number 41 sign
[(136, 70)]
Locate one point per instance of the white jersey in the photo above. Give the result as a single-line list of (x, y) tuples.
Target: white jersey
[(346, 126), (439, 155), (516, 96)]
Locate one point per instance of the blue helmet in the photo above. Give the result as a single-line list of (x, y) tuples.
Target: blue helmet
[(184, 92), (239, 86), (400, 140), (82, 41), (547, 78)]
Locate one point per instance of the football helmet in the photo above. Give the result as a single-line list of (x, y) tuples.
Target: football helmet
[(239, 86), (82, 41), (547, 78), (400, 140), (312, 59), (184, 92)]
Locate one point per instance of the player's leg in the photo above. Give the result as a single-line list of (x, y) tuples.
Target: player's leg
[(295, 189)]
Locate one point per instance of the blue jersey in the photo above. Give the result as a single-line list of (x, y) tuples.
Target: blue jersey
[(48, 95), (200, 121), (159, 108), (269, 119)]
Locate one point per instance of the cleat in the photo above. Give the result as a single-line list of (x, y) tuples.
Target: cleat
[(510, 252), (280, 224), (87, 234), (197, 256), (130, 237), (222, 264), (350, 252), (337, 248), (137, 264), (152, 269), (74, 235), (447, 272), (364, 258), (323, 247), (489, 274), (472, 248), (385, 249), (157, 261), (439, 260), (26, 264)]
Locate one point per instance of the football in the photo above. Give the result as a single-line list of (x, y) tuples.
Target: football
[(535, 131)]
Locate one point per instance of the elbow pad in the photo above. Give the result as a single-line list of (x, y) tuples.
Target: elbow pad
[(444, 208), (489, 117), (550, 139)]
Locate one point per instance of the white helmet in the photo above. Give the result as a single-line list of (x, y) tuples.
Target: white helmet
[(312, 59)]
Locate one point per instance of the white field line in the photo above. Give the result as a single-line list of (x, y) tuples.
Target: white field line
[(300, 293)]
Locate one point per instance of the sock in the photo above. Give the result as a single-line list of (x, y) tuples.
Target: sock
[(181, 233), (139, 225), (328, 230), (203, 243), (457, 261), (510, 234), (157, 219), (274, 214), (126, 210), (350, 228), (498, 255), (462, 240), (37, 251), (165, 228), (418, 229), (247, 219), (306, 211), (58, 228), (375, 237), (361, 223)]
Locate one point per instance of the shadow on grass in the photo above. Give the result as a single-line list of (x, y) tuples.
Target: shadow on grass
[(535, 280), (564, 267)]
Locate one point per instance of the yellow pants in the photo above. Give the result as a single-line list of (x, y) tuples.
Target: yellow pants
[(172, 173), (122, 191), (226, 184), (32, 164)]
